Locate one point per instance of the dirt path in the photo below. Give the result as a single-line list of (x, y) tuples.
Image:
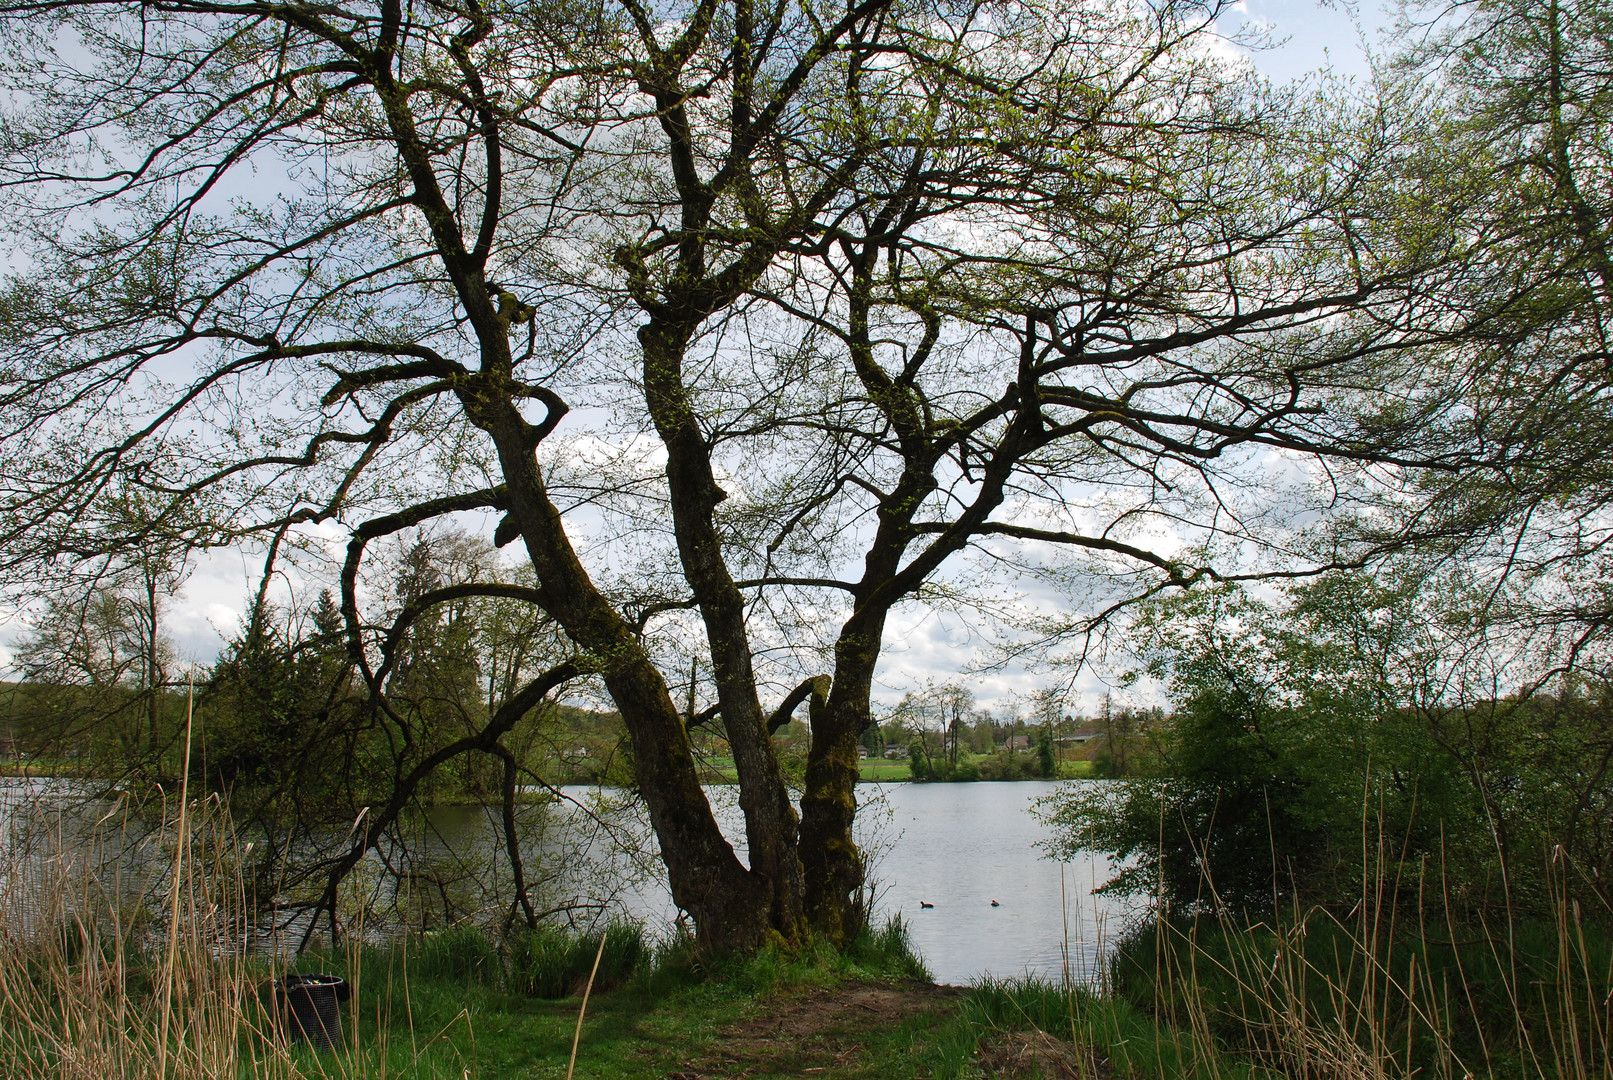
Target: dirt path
[(822, 1034)]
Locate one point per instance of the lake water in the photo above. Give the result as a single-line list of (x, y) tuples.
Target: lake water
[(961, 846), (958, 847), (953, 847)]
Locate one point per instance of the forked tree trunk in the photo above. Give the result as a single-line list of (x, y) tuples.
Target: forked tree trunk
[(730, 906), (770, 821)]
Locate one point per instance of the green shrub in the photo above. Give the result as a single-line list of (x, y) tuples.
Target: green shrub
[(1005, 764), (918, 762), (1278, 749)]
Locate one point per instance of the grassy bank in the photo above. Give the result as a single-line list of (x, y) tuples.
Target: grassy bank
[(1186, 1000), (462, 1004), (453, 1003)]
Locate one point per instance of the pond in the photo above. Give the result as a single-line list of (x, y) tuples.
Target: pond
[(939, 855), (962, 846)]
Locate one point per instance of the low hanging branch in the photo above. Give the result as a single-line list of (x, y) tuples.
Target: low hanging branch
[(403, 788)]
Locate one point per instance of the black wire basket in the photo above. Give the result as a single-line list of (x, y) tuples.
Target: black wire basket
[(312, 1008)]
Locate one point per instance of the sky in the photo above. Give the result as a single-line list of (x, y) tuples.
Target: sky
[(1308, 36), (1304, 36)]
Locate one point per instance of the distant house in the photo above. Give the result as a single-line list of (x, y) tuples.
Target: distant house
[(862, 752), (1018, 742), (1083, 735), (895, 750)]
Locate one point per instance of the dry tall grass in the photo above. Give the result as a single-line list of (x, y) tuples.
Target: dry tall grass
[(98, 982), (1399, 988)]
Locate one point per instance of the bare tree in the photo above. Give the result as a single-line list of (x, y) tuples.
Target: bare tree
[(99, 647)]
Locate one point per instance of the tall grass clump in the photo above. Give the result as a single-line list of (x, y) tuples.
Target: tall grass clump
[(887, 951), (1396, 988), (549, 962), (460, 953), (884, 953)]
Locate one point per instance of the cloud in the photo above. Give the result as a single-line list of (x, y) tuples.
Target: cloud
[(929, 645)]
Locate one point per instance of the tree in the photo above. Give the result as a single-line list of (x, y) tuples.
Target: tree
[(918, 760), (1047, 707), (1046, 763), (884, 283), (455, 710), (87, 651), (1515, 99), (873, 740), (99, 649), (1347, 705)]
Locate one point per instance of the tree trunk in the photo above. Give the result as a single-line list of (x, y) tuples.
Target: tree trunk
[(835, 903), (728, 904), (771, 826), (151, 661)]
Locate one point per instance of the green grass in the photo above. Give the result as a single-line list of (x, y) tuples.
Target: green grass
[(883, 769), (458, 1004), (438, 1008)]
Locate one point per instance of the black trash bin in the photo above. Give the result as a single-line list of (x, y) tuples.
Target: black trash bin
[(313, 1008)]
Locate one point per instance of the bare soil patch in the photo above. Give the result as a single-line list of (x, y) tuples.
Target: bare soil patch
[(818, 1034), (1038, 1054)]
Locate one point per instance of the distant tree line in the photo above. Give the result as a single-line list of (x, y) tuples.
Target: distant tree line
[(285, 729), (944, 736)]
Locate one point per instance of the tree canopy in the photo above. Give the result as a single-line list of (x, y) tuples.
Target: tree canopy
[(748, 323)]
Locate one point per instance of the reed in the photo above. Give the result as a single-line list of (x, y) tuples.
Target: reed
[(1398, 987), (1403, 985), (128, 949), (103, 975), (1417, 977)]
